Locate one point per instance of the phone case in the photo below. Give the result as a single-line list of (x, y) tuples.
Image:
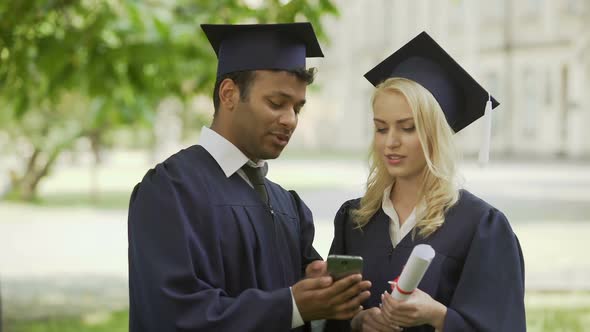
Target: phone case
[(340, 266)]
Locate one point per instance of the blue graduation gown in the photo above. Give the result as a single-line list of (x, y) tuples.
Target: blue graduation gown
[(206, 254), (478, 270)]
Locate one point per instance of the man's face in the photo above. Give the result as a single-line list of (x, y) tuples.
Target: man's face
[(264, 122)]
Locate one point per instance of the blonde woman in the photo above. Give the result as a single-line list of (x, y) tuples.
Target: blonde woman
[(476, 280)]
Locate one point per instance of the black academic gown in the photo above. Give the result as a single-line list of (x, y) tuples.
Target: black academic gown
[(206, 254), (478, 270)]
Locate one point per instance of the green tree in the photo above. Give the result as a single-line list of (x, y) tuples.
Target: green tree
[(79, 69)]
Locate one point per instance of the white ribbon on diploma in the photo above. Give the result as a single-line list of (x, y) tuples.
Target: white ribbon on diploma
[(413, 272)]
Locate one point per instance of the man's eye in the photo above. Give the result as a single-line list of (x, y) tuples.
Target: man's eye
[(274, 105)]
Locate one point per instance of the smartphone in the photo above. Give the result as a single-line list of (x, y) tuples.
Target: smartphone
[(340, 266)]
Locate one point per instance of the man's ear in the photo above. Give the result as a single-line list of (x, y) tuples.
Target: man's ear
[(229, 94)]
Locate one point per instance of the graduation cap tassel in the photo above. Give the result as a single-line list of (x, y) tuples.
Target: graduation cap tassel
[(484, 151)]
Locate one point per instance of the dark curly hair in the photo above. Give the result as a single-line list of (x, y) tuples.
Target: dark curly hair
[(244, 79)]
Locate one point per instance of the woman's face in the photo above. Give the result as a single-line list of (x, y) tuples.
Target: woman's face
[(396, 139)]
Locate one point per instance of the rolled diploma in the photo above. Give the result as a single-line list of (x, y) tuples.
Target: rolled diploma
[(413, 272)]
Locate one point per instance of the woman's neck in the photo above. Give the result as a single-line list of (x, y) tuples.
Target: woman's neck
[(405, 195)]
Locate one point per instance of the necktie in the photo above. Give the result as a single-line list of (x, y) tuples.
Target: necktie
[(255, 176)]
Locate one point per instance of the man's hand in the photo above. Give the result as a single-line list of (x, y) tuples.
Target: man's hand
[(316, 269), (321, 298)]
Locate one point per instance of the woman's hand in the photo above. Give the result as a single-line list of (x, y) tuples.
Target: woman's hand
[(418, 309), (372, 320)]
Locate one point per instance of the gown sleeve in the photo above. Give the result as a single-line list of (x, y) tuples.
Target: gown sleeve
[(308, 252), (338, 248), (173, 271), (490, 292), (338, 242)]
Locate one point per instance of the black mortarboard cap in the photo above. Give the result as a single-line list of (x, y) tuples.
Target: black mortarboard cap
[(424, 61), (242, 47)]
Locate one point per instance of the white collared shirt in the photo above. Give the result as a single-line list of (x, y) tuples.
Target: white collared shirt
[(227, 155), (396, 233), (231, 160)]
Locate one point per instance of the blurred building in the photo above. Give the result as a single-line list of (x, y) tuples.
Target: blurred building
[(533, 55)]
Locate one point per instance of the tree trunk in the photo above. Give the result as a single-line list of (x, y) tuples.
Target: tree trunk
[(95, 141), (25, 187), (22, 186)]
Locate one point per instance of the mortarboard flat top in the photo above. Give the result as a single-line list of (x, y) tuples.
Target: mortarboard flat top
[(422, 60), (242, 47)]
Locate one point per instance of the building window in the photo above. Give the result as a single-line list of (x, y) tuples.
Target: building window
[(493, 13), (534, 6), (530, 102), (457, 13), (548, 88), (531, 9), (573, 7)]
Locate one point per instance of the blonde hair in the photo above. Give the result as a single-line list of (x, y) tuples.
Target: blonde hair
[(439, 188)]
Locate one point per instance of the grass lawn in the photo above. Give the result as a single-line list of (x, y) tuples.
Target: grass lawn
[(558, 311), (545, 312), (558, 319), (115, 322)]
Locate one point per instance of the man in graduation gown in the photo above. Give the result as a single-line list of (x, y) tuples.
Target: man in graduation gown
[(213, 245)]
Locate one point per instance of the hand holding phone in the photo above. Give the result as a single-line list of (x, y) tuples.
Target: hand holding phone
[(339, 297)]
